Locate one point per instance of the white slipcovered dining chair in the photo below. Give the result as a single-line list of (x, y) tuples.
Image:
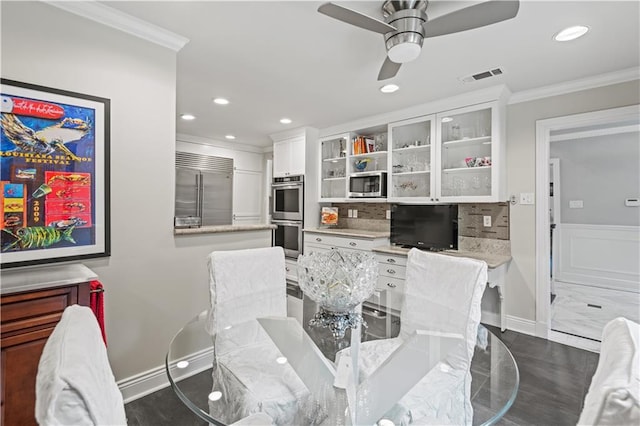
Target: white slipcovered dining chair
[(245, 285), (441, 294), (74, 383)]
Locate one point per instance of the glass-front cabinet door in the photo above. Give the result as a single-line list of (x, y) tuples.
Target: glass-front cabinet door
[(468, 151), (333, 169), (411, 161)]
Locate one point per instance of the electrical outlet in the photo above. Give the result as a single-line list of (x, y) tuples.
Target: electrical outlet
[(486, 221), (350, 213), (388, 214), (355, 213)]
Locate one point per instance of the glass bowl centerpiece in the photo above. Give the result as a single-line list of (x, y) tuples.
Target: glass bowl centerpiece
[(338, 280)]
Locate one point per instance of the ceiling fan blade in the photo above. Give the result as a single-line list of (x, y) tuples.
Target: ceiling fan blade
[(478, 15), (389, 69), (355, 18)]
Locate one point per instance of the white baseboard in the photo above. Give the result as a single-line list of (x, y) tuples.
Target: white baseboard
[(521, 325), (155, 379)]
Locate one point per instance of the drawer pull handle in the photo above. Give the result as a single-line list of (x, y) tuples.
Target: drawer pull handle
[(392, 285), (391, 271), (391, 260), (594, 306), (286, 268), (352, 244), (318, 239)]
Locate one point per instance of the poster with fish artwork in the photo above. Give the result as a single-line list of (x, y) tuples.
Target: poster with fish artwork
[(54, 175)]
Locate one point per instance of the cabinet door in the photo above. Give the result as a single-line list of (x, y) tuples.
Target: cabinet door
[(412, 145), (281, 158), (289, 157), (333, 168), (247, 194), (469, 143)]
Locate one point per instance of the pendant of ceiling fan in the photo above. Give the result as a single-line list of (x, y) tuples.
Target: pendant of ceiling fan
[(406, 25)]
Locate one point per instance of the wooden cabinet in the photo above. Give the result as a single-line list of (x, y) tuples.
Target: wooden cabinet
[(28, 318), (289, 157)]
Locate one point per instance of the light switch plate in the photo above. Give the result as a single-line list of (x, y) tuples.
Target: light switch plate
[(527, 198), (486, 221), (388, 214), (355, 213), (350, 213), (576, 204)]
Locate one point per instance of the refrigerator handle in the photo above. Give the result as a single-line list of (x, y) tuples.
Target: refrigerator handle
[(198, 196)]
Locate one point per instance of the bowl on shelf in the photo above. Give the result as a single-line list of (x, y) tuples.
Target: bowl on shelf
[(361, 164)]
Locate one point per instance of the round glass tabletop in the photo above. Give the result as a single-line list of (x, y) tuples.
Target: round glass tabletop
[(190, 359)]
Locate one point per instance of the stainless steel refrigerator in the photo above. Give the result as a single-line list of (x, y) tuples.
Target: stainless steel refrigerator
[(204, 190)]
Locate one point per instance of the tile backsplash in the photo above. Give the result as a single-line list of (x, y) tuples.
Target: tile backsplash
[(470, 220), (372, 216)]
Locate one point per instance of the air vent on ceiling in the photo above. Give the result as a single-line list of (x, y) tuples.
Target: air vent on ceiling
[(481, 75)]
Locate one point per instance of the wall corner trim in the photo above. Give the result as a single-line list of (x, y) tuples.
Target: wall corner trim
[(122, 21), (586, 83)]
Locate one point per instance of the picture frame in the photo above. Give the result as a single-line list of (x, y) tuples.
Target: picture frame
[(54, 175)]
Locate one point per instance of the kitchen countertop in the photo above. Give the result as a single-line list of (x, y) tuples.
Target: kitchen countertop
[(222, 228), (493, 260), (25, 279), (350, 232)]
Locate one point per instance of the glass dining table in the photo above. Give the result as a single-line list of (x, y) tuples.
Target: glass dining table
[(190, 358)]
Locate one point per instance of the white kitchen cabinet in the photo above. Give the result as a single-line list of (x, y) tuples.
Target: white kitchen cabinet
[(289, 156), (413, 152), (333, 167), (470, 154), (455, 156), (247, 197)]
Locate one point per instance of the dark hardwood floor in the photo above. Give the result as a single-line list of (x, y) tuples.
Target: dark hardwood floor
[(554, 379)]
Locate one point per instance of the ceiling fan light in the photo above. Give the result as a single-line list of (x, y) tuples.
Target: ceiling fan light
[(404, 52)]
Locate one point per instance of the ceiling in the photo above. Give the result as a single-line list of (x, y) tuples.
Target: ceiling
[(284, 59)]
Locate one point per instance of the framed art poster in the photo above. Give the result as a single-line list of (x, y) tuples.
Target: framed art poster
[(54, 175)]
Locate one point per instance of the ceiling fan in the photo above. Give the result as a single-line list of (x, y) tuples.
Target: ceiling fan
[(407, 25)]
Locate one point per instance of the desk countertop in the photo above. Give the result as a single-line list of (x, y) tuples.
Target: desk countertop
[(493, 260)]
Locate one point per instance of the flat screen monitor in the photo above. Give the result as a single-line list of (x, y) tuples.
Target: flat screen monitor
[(433, 227)]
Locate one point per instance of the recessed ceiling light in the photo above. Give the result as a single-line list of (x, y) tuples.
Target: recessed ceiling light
[(447, 119), (285, 120), (389, 88), (188, 117), (571, 33), (221, 101), (230, 137)]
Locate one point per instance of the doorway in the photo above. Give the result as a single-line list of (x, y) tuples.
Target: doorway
[(584, 261)]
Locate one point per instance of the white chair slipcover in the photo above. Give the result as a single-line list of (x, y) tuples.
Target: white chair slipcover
[(443, 294), (75, 384), (245, 285), (614, 393)]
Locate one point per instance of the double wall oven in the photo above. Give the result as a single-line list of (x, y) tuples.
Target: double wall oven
[(288, 213)]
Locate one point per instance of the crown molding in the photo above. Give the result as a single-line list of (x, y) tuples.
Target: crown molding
[(592, 82), (121, 21), (181, 137)]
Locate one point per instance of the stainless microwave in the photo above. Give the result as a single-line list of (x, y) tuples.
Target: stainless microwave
[(368, 184)]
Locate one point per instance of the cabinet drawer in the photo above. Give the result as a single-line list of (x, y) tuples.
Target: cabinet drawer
[(392, 271), (342, 242), (35, 309), (391, 259), (291, 269)]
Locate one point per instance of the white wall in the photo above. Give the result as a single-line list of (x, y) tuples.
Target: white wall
[(521, 144), (154, 281), (601, 171)]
